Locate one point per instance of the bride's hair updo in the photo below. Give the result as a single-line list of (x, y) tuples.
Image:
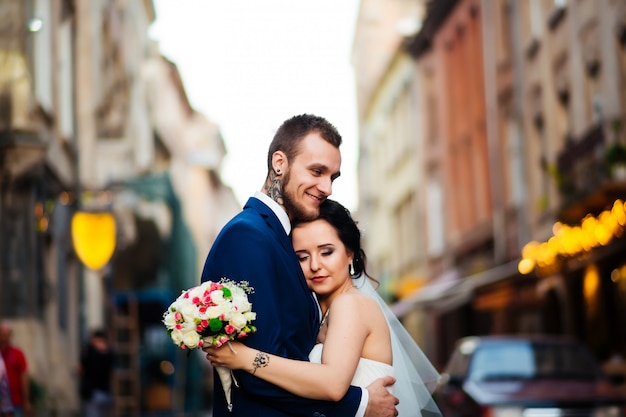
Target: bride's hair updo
[(340, 219)]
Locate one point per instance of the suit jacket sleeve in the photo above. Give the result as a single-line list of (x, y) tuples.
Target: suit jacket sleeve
[(251, 249)]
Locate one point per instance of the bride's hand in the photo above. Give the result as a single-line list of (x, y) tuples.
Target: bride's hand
[(230, 355)]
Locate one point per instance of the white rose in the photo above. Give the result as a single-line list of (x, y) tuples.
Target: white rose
[(189, 312), (217, 296), (188, 326), (218, 310), (240, 300), (169, 320), (191, 339), (177, 337), (177, 305), (249, 315), (238, 320)]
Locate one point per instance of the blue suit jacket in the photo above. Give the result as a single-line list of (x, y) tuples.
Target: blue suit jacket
[(254, 247)]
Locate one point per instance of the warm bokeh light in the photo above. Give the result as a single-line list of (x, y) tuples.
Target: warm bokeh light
[(530, 249), (525, 266), (167, 367), (591, 285), (408, 285), (570, 241)]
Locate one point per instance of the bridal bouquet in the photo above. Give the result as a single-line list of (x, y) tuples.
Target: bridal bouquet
[(211, 314)]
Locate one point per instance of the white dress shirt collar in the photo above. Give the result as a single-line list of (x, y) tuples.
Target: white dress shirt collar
[(277, 209)]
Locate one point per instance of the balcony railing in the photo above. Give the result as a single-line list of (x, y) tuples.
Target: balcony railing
[(586, 181)]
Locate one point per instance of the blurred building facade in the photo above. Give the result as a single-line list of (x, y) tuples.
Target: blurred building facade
[(39, 277), (388, 149), (507, 112), (93, 119)]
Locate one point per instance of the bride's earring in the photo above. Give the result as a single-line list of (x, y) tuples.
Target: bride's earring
[(351, 268)]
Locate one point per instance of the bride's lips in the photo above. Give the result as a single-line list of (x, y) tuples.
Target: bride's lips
[(318, 279)]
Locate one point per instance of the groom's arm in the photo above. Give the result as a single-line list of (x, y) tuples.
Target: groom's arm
[(381, 403)]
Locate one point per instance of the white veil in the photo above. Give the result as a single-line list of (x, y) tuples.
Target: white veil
[(416, 377)]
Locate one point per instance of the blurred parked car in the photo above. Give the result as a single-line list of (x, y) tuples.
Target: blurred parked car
[(521, 376)]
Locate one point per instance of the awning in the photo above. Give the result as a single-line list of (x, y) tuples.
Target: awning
[(429, 292), (449, 290)]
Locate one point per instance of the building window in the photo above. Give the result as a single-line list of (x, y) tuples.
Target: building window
[(434, 218), (400, 129), (536, 19), (65, 77), (406, 232), (593, 74), (21, 256), (431, 120), (516, 175), (620, 50), (548, 169), (42, 56), (562, 85), (504, 27)]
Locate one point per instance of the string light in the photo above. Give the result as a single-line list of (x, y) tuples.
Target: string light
[(571, 241)]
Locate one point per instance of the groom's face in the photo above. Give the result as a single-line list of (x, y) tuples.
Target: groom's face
[(309, 177)]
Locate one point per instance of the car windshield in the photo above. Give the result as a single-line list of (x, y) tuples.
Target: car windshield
[(526, 360)]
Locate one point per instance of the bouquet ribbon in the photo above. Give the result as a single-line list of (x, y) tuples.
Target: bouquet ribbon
[(228, 379)]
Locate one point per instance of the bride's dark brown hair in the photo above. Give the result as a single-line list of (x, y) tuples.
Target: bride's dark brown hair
[(341, 220)]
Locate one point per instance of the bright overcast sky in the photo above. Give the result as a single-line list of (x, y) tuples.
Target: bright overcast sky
[(248, 65)]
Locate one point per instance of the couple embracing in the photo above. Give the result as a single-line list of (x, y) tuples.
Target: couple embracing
[(326, 345)]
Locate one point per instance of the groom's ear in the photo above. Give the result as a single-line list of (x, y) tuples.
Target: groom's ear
[(279, 162)]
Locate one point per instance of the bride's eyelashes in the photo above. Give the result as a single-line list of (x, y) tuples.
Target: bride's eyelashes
[(302, 256)]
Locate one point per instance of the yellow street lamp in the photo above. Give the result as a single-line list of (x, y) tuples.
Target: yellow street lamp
[(93, 236)]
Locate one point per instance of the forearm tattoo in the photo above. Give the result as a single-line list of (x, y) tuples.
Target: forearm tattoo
[(261, 360)]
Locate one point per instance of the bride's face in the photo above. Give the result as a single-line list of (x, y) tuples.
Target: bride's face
[(323, 257)]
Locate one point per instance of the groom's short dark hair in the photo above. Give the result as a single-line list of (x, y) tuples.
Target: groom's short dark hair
[(293, 130)]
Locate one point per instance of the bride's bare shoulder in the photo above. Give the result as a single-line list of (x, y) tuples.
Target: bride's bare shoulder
[(356, 301)]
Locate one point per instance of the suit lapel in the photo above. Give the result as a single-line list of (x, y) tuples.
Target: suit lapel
[(276, 227), (271, 221)]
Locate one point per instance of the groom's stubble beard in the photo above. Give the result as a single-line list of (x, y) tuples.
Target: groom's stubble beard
[(294, 210)]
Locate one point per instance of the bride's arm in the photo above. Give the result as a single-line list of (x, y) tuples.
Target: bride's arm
[(326, 381)]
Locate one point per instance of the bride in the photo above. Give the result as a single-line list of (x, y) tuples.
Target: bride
[(359, 338)]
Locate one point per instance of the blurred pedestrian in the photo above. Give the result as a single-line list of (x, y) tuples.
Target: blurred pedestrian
[(6, 406), (96, 368), (17, 371)]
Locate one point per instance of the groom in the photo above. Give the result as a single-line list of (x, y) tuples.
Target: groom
[(303, 161)]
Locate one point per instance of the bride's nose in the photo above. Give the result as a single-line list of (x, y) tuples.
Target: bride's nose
[(315, 265)]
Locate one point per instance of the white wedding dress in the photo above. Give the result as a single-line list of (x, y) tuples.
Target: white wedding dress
[(416, 377), (367, 370)]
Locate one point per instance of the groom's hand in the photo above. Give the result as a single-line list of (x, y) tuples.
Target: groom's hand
[(381, 403)]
